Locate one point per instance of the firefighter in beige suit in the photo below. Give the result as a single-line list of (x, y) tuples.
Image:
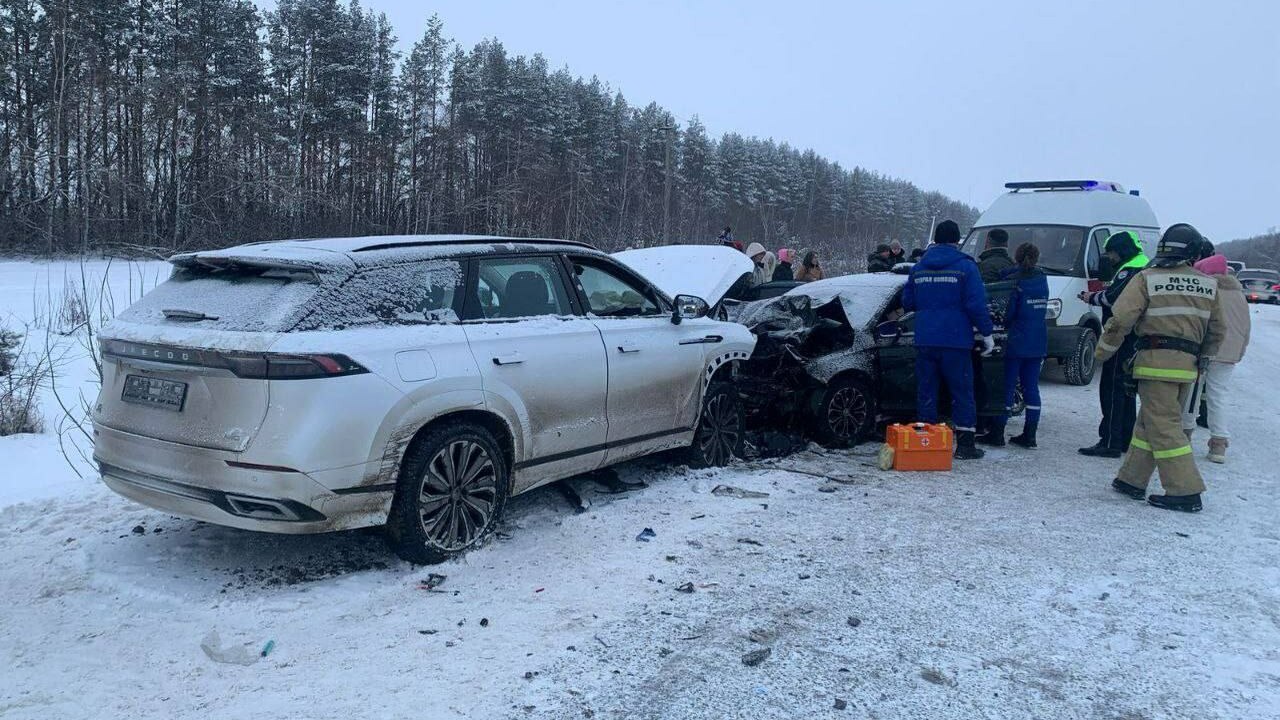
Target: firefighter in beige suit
[(1173, 309)]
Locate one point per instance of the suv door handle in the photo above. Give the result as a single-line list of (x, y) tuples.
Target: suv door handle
[(513, 358), (628, 349), (702, 340)]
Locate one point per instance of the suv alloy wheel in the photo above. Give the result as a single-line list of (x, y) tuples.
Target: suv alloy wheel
[(454, 483)]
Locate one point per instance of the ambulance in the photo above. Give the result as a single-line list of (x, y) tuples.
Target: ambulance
[(1070, 221)]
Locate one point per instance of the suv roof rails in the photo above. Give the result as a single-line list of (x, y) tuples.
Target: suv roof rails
[(470, 241), (1066, 185)]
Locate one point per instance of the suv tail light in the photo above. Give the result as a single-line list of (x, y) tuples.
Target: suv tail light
[(272, 366), (257, 366)]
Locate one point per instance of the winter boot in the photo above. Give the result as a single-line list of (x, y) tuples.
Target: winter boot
[(965, 449), (1121, 486), (1101, 450), (994, 436), (1027, 439), (1217, 450), (1181, 503)]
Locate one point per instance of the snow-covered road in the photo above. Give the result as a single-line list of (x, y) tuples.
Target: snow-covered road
[(1018, 586)]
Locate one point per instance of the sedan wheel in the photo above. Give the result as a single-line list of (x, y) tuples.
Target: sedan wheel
[(845, 413)]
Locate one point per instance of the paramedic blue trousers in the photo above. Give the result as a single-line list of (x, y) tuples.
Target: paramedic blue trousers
[(955, 367), (1027, 372)]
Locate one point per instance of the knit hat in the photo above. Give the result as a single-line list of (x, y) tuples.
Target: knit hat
[(998, 237), (1213, 265), (947, 232), (786, 255)]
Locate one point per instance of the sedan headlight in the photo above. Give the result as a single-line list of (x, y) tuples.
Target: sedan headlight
[(1053, 309)]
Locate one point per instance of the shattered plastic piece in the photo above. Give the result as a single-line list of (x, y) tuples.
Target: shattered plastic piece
[(755, 657), (853, 621), (266, 649), (749, 541), (685, 588), (433, 581), (646, 534), (841, 704), (231, 654), (737, 492)]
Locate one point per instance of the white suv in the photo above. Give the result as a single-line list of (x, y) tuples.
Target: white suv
[(308, 386)]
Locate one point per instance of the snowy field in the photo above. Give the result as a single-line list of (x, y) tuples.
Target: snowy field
[(1019, 586)]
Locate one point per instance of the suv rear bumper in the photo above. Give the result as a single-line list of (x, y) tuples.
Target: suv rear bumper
[(199, 483)]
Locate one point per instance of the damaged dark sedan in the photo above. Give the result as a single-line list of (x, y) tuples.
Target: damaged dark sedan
[(836, 357)]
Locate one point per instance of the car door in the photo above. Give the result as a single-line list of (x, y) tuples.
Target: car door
[(896, 366), (541, 362), (655, 366)]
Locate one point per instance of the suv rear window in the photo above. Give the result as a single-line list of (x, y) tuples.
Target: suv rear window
[(409, 294), (241, 298)]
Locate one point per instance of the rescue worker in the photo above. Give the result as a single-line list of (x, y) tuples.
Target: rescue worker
[(1119, 407), (946, 293), (1174, 311), (995, 259), (1026, 347)]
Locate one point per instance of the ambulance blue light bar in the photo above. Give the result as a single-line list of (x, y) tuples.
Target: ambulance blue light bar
[(1104, 185)]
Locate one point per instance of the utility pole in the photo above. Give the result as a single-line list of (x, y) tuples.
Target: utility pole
[(666, 186)]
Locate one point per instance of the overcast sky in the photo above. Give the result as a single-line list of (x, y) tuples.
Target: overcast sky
[(1178, 99)]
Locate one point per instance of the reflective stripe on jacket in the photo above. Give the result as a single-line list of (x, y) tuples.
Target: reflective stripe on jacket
[(1176, 302)]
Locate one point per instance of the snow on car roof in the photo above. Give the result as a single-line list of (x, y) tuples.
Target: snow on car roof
[(352, 252), (864, 296)]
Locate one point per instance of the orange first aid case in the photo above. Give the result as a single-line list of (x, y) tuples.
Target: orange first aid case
[(919, 446)]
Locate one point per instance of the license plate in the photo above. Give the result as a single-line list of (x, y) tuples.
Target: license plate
[(166, 394)]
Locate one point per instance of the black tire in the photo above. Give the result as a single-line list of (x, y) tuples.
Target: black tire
[(844, 413), (462, 467), (1081, 365), (721, 429)]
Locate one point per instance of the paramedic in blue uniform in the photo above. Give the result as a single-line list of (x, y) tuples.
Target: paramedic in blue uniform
[(1027, 345), (945, 291)]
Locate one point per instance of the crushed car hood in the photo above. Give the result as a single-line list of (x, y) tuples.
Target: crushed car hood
[(707, 271), (864, 296)]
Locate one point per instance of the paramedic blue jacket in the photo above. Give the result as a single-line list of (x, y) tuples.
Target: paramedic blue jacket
[(1028, 336), (945, 290)]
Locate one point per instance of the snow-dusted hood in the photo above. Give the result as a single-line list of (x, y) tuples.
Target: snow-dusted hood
[(707, 271)]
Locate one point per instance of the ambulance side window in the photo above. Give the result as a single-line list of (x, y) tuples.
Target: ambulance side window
[(1093, 256)]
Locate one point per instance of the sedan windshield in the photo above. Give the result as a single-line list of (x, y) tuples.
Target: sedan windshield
[(1059, 245)]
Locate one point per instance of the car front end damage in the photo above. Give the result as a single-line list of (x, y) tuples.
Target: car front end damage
[(800, 345)]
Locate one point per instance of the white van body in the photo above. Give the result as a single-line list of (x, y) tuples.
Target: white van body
[(1070, 222)]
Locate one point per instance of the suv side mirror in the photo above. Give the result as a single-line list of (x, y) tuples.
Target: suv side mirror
[(689, 307)]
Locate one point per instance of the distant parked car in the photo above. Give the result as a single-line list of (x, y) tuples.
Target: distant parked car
[(417, 382), (1260, 286), (1235, 266)]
